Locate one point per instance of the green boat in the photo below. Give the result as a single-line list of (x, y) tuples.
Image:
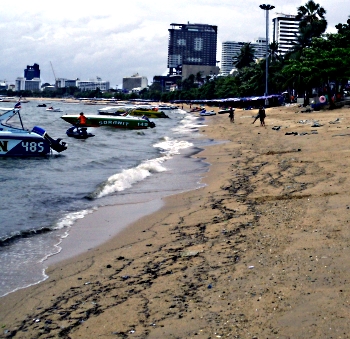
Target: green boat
[(125, 122), (150, 113)]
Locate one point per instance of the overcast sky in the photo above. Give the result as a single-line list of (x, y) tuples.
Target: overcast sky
[(114, 39)]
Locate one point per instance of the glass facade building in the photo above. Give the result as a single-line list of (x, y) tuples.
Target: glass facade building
[(191, 44), (32, 72)]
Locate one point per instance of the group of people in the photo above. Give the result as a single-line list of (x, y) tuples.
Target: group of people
[(261, 115)]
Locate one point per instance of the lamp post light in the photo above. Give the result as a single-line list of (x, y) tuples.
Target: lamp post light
[(267, 8)]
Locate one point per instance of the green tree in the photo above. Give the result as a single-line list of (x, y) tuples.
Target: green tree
[(312, 21), (245, 57)]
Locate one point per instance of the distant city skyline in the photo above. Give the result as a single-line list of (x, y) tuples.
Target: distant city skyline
[(96, 41)]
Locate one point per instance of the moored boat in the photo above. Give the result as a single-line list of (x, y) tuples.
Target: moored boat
[(79, 132), (125, 122), (148, 111), (113, 110), (53, 109), (20, 142)]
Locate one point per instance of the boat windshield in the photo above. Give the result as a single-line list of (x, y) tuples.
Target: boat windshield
[(11, 118)]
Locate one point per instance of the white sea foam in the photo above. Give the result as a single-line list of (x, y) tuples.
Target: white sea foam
[(171, 147), (189, 123), (128, 177), (69, 219)]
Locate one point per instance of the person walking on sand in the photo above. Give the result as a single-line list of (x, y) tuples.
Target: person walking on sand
[(232, 114), (262, 116)]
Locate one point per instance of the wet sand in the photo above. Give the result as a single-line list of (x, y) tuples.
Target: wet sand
[(260, 252)]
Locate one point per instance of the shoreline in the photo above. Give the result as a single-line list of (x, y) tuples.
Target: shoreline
[(261, 250)]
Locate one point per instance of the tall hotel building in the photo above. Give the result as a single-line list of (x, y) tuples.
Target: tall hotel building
[(285, 32), (231, 49), (192, 49)]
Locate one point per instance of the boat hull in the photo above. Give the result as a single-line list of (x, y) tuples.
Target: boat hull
[(19, 142), (148, 113), (111, 121), (17, 145)]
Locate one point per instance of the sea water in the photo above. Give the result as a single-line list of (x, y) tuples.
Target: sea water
[(42, 198)]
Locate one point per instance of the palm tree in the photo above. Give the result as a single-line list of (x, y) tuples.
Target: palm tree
[(245, 58), (274, 52), (312, 20)]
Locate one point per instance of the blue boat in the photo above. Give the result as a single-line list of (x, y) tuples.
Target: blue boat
[(20, 142)]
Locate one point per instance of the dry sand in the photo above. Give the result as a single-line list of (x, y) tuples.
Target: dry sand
[(260, 252)]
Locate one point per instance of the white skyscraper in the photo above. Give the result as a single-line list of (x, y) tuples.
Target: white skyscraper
[(285, 31), (231, 49)]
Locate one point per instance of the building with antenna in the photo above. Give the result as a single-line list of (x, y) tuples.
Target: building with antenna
[(285, 31), (135, 81)]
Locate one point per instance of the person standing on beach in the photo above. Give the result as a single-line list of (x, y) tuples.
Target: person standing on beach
[(262, 116), (232, 115)]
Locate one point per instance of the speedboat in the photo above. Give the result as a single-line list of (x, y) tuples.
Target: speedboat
[(53, 109), (206, 113), (20, 142), (125, 122), (148, 111), (114, 110), (79, 132)]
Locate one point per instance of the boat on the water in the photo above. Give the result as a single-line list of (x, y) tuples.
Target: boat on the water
[(20, 142), (79, 132), (125, 122), (41, 105), (53, 109), (148, 111), (114, 110), (166, 107)]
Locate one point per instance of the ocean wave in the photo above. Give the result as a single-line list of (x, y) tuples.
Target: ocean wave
[(128, 177), (66, 221), (171, 147), (69, 219)]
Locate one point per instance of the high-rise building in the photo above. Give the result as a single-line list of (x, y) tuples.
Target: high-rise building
[(135, 81), (192, 49), (230, 50), (32, 72), (285, 32), (22, 84)]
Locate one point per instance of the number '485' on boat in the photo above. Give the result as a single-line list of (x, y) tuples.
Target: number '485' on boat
[(20, 142)]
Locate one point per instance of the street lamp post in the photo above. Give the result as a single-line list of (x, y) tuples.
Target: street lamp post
[(267, 8)]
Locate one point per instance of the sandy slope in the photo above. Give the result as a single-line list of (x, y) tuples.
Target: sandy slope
[(260, 252)]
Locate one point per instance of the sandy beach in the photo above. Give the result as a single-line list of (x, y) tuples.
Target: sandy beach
[(260, 252)]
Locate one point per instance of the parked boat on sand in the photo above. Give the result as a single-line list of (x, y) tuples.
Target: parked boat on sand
[(206, 113)]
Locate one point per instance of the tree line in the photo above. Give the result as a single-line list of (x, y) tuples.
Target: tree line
[(318, 64)]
